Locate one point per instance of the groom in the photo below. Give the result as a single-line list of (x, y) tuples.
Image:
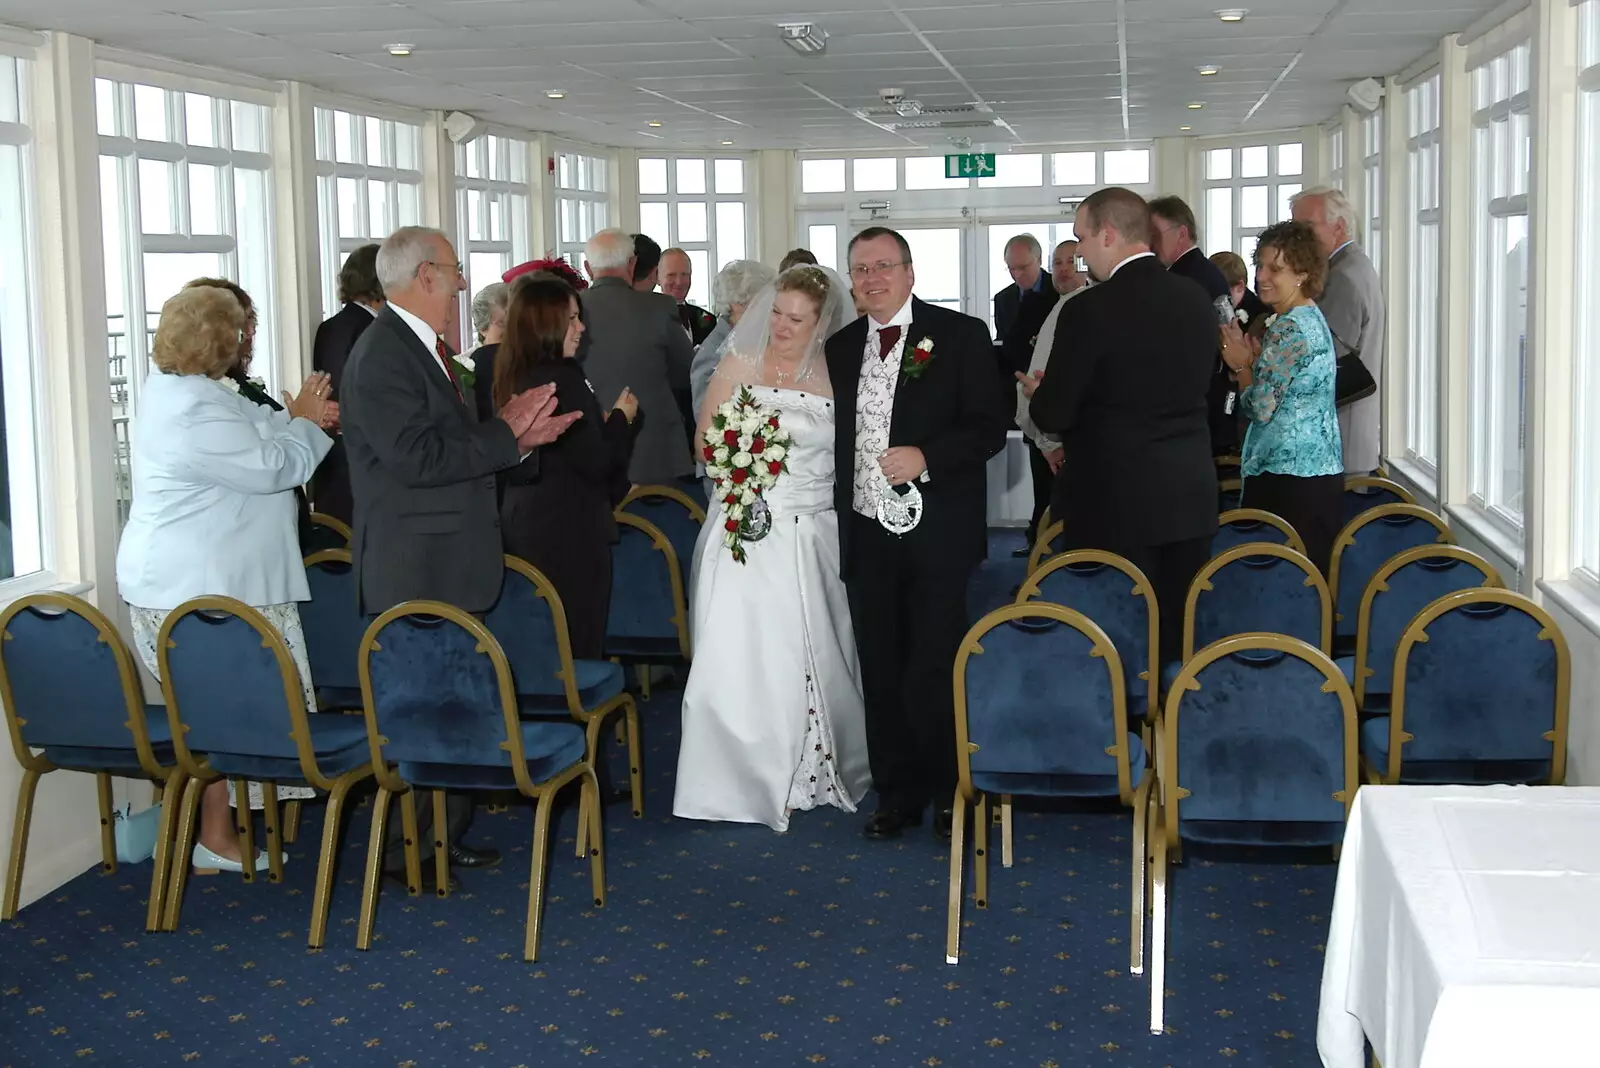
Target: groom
[(917, 405)]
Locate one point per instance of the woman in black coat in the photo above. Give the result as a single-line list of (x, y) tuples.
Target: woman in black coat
[(558, 516)]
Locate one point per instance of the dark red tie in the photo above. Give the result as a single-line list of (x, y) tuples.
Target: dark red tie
[(887, 336), (444, 358)]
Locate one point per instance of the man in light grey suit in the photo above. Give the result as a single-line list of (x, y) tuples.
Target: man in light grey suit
[(634, 341), (1352, 302)]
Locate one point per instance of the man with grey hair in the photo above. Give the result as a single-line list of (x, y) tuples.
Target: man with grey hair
[(634, 341), (422, 465), (1352, 303)]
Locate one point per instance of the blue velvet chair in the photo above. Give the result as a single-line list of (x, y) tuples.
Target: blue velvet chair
[(530, 624), (70, 688), (441, 714), (1482, 679), (1405, 585), (672, 512), (1041, 711), (648, 620), (1229, 492), (1365, 544), (333, 626), (1260, 587), (327, 532), (237, 710), (1258, 748), (1362, 492), (1046, 543), (1243, 526)]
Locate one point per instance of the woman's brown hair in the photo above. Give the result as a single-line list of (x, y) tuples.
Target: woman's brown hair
[(536, 331), (1297, 243)]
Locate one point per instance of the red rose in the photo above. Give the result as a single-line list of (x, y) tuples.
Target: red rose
[(774, 467), (773, 422), (730, 500), (730, 437), (757, 445), (710, 453), (732, 524), (920, 356), (739, 475)]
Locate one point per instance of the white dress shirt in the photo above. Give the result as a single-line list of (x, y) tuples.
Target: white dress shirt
[(213, 497), (429, 338), (880, 374), (1130, 259), (1039, 361)]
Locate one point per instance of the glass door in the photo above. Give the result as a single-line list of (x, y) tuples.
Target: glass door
[(993, 271), (938, 254)]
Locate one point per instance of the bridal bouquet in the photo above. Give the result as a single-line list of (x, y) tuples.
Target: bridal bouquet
[(745, 452)]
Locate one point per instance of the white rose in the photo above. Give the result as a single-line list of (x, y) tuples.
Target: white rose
[(752, 423), (741, 459), (775, 453), (747, 497), (745, 441), (721, 455), (736, 512)]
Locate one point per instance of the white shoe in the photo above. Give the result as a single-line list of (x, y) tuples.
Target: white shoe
[(208, 863)]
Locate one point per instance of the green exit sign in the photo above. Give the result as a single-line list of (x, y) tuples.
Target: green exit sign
[(969, 165)]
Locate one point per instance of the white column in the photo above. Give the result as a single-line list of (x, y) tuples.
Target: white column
[(1395, 214), (1176, 171), (299, 252), (1455, 277), (627, 187), (439, 179), (543, 225), (774, 225)]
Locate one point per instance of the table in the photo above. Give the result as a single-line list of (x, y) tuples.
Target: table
[(1465, 929)]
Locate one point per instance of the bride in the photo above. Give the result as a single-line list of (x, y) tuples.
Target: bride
[(773, 718)]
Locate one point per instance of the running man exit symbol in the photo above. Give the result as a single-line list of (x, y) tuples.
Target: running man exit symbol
[(969, 165)]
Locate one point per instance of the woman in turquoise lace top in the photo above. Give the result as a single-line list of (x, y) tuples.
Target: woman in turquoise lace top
[(1292, 463)]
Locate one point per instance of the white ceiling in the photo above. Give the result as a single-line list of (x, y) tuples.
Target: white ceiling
[(716, 70)]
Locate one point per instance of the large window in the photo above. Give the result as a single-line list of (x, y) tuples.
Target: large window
[(1247, 189), (1501, 161), (185, 192), (21, 544), (369, 184), (583, 205), (1422, 284), (699, 204), (492, 212), (1372, 187), (1586, 354)]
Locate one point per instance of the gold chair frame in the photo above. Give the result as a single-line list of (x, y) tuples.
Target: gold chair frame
[(591, 719), (1164, 801), (1417, 633), (1226, 484), (168, 780), (639, 493), (1202, 583), (680, 600), (198, 773), (1380, 584), (333, 523), (1041, 544), (390, 784), (1347, 538), (1271, 519), (967, 794)]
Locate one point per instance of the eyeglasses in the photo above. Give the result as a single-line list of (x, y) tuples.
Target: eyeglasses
[(456, 267), (862, 270)]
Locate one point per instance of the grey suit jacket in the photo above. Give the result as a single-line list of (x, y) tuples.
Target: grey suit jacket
[(706, 358), (427, 522), (1352, 302), (635, 341)]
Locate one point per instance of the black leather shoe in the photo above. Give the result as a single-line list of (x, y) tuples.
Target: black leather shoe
[(465, 856), (943, 820), (890, 823), (1022, 553)]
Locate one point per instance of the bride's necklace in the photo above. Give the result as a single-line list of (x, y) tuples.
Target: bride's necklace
[(785, 376)]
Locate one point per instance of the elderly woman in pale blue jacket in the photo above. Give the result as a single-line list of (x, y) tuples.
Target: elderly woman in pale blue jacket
[(213, 502)]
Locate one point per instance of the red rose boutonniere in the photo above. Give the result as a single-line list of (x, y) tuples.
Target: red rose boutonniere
[(917, 360)]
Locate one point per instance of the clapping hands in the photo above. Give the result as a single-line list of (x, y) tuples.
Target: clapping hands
[(531, 417), (1239, 352), (312, 401)]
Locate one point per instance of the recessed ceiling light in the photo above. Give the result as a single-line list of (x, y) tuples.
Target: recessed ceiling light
[(556, 94), (1196, 105), (727, 142), (1233, 14), (652, 124), (1207, 69), (399, 49), (1185, 127)]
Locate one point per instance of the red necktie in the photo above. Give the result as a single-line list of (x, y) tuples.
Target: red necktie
[(444, 358), (887, 336)]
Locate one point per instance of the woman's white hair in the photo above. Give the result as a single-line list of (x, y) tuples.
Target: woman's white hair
[(1335, 206), (738, 282), (485, 302), (609, 250), (403, 253)]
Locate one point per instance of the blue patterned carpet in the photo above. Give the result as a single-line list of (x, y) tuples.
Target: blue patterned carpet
[(718, 945)]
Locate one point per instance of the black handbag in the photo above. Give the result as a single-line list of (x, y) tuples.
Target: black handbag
[(1352, 380)]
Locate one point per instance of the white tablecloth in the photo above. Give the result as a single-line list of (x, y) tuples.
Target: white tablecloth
[(1465, 929)]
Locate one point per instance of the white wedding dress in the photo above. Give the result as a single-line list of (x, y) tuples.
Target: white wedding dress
[(773, 718)]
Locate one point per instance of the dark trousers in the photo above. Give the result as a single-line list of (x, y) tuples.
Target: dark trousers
[(1044, 482), (1170, 569), (572, 555), (1313, 506), (458, 818), (910, 615)]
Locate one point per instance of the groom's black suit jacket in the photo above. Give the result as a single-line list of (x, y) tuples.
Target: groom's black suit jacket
[(954, 412)]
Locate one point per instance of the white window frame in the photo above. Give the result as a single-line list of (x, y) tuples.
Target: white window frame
[(510, 158), (399, 169), (1240, 238), (585, 182), (1424, 221), (1372, 188), (24, 542), (129, 348), (715, 255), (1499, 195), (1584, 547), (1336, 156)]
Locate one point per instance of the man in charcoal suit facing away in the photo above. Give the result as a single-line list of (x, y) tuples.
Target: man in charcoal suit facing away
[(1125, 391), (422, 469), (919, 412)]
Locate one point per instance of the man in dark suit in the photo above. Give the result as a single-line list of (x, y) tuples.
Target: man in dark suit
[(919, 412), (1125, 389), (677, 277), (634, 341), (1175, 243), (362, 297), (1020, 310), (422, 465)]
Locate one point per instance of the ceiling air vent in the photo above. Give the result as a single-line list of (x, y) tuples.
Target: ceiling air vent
[(902, 114)]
